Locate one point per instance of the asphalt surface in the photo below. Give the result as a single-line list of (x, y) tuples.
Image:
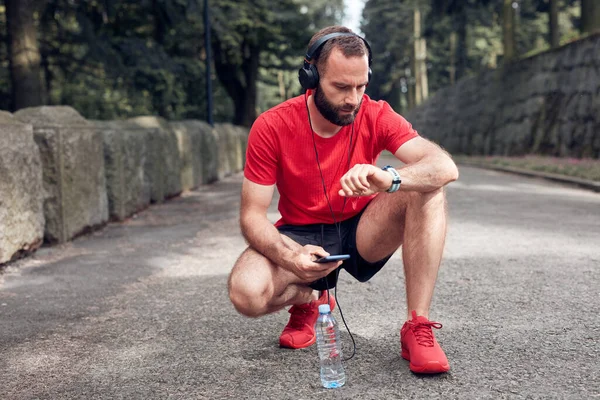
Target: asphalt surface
[(139, 309)]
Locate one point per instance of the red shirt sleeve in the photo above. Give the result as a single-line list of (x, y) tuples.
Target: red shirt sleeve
[(261, 153), (393, 130)]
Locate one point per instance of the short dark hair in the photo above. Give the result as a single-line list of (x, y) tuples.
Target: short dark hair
[(351, 46)]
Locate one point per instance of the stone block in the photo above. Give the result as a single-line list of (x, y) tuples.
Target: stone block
[(224, 145), (187, 147), (71, 150), (125, 154), (232, 141), (210, 153), (199, 153), (243, 133), (154, 171), (21, 190), (189, 143), (165, 165)]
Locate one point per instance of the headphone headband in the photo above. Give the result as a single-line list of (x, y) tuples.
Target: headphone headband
[(316, 45)]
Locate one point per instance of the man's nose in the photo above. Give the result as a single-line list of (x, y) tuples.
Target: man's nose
[(352, 97)]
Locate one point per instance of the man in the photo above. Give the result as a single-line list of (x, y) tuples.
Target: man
[(320, 149)]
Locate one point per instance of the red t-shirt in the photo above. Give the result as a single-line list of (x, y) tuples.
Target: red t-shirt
[(281, 151)]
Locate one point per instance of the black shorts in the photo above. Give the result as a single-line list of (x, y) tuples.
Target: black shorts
[(326, 236)]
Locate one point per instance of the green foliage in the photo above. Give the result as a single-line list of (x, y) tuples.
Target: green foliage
[(388, 25), (279, 74), (274, 33), (116, 59), (120, 59)]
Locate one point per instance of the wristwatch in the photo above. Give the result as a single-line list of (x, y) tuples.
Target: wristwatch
[(396, 181)]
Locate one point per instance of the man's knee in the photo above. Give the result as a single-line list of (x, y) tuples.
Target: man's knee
[(247, 293), (433, 199)]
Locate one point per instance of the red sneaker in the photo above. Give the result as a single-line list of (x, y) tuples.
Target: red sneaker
[(300, 330), (420, 347)]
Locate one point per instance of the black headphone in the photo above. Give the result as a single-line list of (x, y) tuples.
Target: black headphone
[(308, 74)]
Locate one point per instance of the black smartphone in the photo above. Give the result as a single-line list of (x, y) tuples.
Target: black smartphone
[(332, 258)]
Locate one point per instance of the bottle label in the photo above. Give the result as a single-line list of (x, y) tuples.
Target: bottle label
[(331, 334)]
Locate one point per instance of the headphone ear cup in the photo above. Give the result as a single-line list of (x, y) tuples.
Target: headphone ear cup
[(308, 76), (315, 77), (370, 74), (302, 77)]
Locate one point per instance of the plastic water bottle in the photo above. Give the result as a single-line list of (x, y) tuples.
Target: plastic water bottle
[(330, 349)]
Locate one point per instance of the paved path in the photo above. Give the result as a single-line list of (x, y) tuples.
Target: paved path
[(139, 310)]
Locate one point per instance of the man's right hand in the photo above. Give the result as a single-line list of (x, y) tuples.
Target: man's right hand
[(304, 266)]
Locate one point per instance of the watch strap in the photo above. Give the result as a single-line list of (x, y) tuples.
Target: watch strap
[(396, 181)]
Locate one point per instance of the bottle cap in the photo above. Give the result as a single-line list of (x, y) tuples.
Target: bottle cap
[(324, 309)]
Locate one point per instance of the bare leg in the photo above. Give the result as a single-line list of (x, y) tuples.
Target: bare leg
[(417, 220), (258, 287), (425, 236)]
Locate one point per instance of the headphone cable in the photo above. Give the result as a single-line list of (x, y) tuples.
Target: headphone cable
[(337, 225)]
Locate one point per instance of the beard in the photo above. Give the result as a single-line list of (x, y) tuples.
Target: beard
[(331, 112)]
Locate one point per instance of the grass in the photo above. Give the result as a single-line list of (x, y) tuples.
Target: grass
[(586, 168)]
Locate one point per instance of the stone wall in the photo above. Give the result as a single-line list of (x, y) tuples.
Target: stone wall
[(546, 104), (61, 175)]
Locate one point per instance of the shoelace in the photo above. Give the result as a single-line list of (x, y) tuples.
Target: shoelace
[(423, 332)]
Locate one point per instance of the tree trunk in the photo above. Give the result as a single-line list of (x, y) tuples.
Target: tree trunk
[(452, 58), (281, 85), (423, 71), (416, 65), (46, 20), (508, 30), (411, 90), (239, 81), (159, 22), (247, 114), (419, 57), (28, 89), (590, 16), (462, 47), (47, 76), (553, 26)]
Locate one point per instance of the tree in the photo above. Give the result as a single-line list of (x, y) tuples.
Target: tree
[(120, 58), (590, 16), (553, 24), (322, 13), (278, 74), (421, 88), (390, 43), (460, 35), (28, 89), (461, 38), (250, 34), (508, 30), (116, 59)]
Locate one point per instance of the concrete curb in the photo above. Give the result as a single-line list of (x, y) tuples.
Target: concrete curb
[(582, 183)]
